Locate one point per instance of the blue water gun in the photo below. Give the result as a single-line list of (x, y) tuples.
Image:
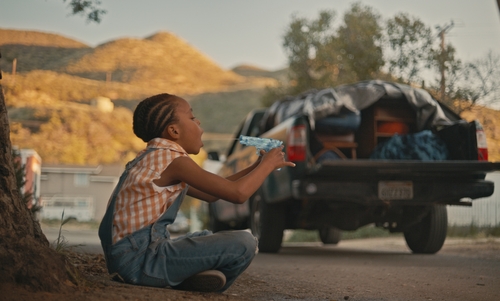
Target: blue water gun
[(260, 143)]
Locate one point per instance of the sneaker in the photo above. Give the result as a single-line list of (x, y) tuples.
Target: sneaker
[(207, 281)]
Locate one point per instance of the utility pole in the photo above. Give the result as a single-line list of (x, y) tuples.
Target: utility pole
[(442, 60)]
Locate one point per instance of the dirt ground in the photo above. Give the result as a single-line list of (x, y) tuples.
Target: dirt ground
[(94, 283), (269, 277)]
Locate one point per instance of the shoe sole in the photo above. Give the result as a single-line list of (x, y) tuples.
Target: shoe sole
[(208, 281)]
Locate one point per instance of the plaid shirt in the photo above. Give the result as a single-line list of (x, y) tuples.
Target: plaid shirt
[(140, 202)]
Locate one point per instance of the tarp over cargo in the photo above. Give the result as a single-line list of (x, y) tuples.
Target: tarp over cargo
[(318, 104)]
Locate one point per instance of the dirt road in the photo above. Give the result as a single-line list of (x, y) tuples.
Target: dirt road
[(365, 269)]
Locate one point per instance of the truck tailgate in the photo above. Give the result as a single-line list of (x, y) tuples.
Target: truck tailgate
[(397, 170), (412, 182)]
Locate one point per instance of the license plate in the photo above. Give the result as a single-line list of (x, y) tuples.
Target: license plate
[(395, 190)]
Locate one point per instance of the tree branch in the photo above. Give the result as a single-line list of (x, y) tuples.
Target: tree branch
[(88, 8)]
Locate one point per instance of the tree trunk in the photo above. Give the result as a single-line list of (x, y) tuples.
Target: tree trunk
[(25, 255)]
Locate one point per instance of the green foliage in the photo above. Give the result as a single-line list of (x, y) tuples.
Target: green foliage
[(359, 43), (473, 230), (303, 236), (272, 94), (410, 40), (61, 244), (303, 40), (363, 232), (367, 232), (88, 8), (321, 56)]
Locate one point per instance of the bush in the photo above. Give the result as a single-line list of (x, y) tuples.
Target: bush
[(473, 230)]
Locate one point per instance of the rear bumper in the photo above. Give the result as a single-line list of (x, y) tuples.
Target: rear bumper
[(366, 193)]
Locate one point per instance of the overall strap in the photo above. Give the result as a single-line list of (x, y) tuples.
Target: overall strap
[(159, 228), (106, 226)]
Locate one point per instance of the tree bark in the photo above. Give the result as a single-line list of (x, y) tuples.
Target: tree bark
[(25, 254)]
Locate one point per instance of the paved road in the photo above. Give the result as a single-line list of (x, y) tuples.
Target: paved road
[(377, 269), (366, 269)]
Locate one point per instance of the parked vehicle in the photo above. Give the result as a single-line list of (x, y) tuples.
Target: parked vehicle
[(374, 152), (180, 224)]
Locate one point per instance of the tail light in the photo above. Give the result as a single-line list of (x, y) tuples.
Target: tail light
[(296, 144), (482, 147)]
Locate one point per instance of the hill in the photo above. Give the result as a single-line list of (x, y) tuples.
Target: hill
[(37, 38), (54, 71), (252, 71), (161, 62), (32, 50)]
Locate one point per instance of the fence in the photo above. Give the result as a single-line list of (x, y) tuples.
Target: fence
[(79, 207), (484, 211)]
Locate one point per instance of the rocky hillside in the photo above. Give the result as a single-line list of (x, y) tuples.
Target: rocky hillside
[(161, 62)]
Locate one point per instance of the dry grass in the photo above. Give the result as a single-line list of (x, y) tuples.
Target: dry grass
[(37, 38)]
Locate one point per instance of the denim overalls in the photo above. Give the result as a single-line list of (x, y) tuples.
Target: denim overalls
[(149, 257)]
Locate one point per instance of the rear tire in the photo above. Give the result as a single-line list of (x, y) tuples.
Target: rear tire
[(330, 235), (267, 223), (428, 236)]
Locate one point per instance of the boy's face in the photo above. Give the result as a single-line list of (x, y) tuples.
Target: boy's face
[(188, 128)]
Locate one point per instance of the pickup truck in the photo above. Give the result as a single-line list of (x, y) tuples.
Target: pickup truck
[(371, 153)]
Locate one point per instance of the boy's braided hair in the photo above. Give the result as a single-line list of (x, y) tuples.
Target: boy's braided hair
[(153, 115)]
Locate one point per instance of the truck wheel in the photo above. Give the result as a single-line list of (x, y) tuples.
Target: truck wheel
[(267, 222), (330, 235), (214, 224), (427, 237)]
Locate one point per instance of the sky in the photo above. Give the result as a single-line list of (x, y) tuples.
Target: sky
[(235, 32)]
